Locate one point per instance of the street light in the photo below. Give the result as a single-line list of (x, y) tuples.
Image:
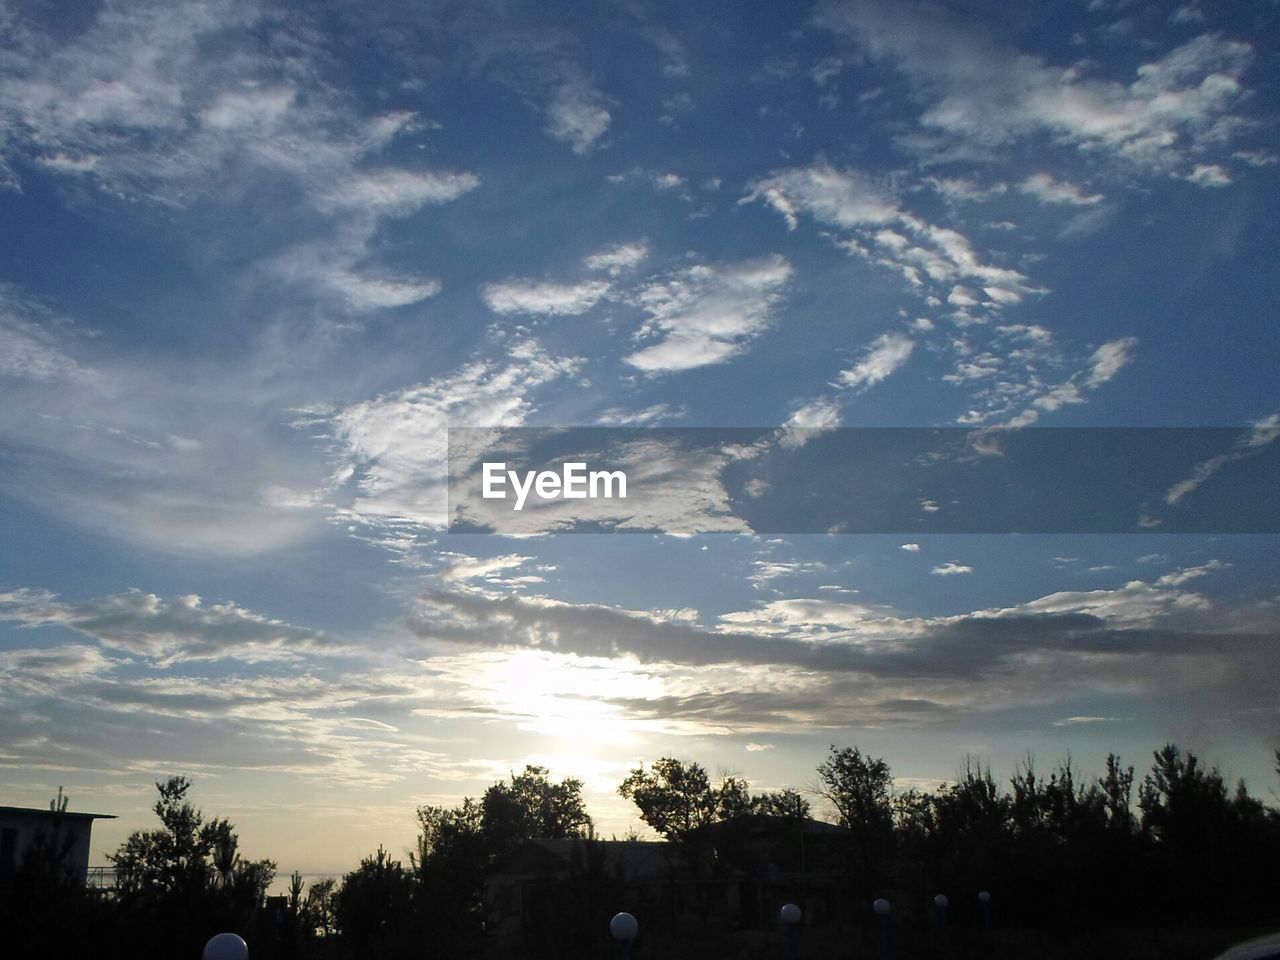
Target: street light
[(624, 927), (226, 946), (881, 908), (984, 898), (940, 903), (790, 916)]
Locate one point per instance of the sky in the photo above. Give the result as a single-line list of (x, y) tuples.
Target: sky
[(256, 259)]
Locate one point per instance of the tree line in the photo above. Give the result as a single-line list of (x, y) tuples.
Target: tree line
[(1055, 850)]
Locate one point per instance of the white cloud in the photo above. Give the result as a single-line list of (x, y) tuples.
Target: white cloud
[(618, 417), (766, 570), (27, 348), (910, 547), (980, 92), (618, 259), (376, 293), (1136, 603), (1178, 577), (1047, 189), (180, 457), (1261, 434), (883, 357), (541, 297), (675, 58), (578, 115), (951, 569), (393, 449), (932, 259), (135, 104), (805, 422), (1210, 175), (1105, 362), (1109, 359), (394, 192), (843, 198), (965, 189), (1076, 721), (168, 631), (1257, 158), (707, 313), (460, 568)]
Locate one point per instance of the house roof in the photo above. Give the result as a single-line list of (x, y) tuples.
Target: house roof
[(44, 812)]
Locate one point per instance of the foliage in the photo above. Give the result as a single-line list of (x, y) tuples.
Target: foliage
[(452, 859), (786, 802), (185, 881), (187, 858), (374, 908), (529, 806), (1059, 852), (858, 787), (676, 798)]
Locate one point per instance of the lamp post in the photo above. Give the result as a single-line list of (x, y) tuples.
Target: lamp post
[(790, 917), (984, 898), (881, 908), (623, 928), (940, 903), (226, 946)]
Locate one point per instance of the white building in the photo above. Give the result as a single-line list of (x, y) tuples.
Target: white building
[(19, 827)]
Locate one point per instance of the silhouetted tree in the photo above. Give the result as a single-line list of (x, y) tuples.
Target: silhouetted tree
[(858, 787), (674, 797), (529, 806), (781, 803), (374, 910), (451, 861), (187, 880)]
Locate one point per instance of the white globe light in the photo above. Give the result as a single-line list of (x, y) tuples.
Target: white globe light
[(881, 906), (624, 927), (984, 897), (941, 901), (226, 946), (790, 914)]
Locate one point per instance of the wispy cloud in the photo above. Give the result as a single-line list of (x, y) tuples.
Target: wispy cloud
[(620, 417), (168, 631), (1047, 189), (578, 114), (392, 450), (707, 313), (618, 259), (882, 358), (541, 297), (1261, 436), (1160, 119)]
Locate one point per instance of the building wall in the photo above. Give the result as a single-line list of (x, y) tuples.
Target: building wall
[(25, 825)]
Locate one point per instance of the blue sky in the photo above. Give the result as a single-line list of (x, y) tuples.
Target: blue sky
[(257, 259)]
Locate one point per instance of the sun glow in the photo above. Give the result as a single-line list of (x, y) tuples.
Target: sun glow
[(567, 697)]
